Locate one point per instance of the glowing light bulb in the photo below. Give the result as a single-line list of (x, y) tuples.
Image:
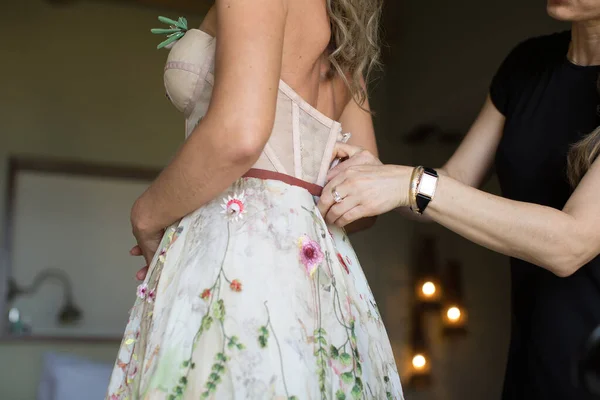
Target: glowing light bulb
[(419, 361), (453, 314), (428, 289)]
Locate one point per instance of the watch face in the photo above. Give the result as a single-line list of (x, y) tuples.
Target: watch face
[(427, 185)]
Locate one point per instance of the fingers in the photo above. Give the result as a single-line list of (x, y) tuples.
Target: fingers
[(352, 215), (136, 251), (344, 150), (358, 158), (141, 274), (327, 199), (343, 166), (337, 210)]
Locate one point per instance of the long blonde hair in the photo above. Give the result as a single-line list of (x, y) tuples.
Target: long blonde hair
[(355, 41), (583, 154)]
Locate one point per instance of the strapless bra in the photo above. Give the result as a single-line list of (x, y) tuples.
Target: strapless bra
[(303, 138)]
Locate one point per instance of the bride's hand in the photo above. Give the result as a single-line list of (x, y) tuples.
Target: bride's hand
[(137, 251), (365, 186), (147, 244)]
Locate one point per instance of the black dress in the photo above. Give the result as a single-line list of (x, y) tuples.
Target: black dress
[(549, 104)]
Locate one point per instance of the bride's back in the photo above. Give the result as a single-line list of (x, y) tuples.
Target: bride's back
[(305, 65)]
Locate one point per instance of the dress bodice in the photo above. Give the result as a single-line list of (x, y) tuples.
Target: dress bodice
[(303, 138)]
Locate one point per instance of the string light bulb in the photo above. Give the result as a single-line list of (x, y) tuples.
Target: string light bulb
[(454, 313), (427, 283), (428, 289), (419, 362)]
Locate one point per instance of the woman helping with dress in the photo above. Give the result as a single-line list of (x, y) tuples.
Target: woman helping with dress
[(536, 123), (249, 294)]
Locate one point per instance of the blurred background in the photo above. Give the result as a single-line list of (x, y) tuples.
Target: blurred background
[(85, 125)]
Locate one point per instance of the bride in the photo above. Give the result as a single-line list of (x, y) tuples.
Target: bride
[(248, 294)]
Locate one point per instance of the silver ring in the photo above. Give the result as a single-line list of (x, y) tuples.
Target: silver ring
[(336, 197)]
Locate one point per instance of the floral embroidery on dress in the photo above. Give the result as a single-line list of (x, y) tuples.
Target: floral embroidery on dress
[(236, 285), (343, 262), (234, 207), (310, 254), (151, 296), (203, 334), (142, 291)]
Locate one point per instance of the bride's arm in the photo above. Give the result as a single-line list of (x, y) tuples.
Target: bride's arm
[(359, 122), (239, 120)]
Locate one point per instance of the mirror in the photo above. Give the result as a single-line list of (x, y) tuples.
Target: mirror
[(68, 272)]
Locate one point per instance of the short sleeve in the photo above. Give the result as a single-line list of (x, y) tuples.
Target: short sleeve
[(504, 85)]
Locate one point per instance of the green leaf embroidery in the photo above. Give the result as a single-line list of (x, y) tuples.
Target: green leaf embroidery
[(180, 23), (346, 359), (333, 352), (321, 351), (219, 310), (358, 368), (357, 389), (263, 337), (233, 342), (206, 323), (161, 31), (339, 395), (320, 332), (175, 32), (356, 392), (347, 377)]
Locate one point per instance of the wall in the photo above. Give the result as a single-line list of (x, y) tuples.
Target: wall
[(84, 82), (101, 99)]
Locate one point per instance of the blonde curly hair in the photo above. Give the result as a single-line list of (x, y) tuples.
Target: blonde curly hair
[(355, 42), (583, 153)]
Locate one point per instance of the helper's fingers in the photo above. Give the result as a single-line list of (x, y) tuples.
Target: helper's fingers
[(337, 210), (345, 150), (327, 199)]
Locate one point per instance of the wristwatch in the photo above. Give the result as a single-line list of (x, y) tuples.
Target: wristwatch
[(425, 189)]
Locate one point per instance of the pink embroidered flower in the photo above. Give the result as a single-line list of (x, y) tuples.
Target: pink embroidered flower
[(162, 256), (151, 296), (341, 259), (142, 291), (205, 294), (234, 207), (236, 285), (310, 254)]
